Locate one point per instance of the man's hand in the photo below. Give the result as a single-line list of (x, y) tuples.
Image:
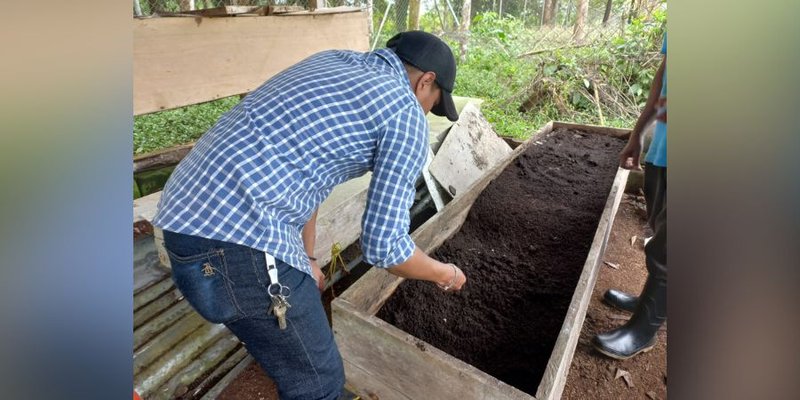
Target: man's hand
[(318, 275), (629, 156), (457, 278)]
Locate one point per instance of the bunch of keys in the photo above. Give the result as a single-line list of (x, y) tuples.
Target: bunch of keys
[(277, 293), (279, 308)]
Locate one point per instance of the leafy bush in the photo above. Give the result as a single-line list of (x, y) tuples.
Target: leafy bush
[(183, 125), (558, 83)]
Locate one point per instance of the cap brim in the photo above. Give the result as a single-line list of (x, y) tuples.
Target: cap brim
[(446, 107)]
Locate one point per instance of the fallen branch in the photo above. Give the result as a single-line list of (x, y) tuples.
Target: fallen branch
[(597, 102)]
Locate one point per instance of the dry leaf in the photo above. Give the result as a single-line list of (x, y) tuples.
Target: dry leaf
[(628, 381), (651, 394), (633, 240), (612, 265), (625, 376)]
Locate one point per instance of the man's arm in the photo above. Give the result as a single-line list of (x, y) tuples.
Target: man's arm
[(385, 242), (420, 266), (309, 240), (629, 157)]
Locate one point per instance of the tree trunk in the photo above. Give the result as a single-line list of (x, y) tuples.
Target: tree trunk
[(607, 14), (413, 14), (634, 10), (186, 5), (465, 21), (549, 12), (466, 12), (579, 33), (500, 9)]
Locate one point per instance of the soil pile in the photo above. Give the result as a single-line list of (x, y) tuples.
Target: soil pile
[(522, 248)]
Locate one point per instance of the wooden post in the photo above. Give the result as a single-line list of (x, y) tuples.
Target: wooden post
[(579, 33), (607, 13), (413, 14), (316, 4), (465, 21)]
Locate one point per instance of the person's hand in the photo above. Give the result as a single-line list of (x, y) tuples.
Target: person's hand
[(629, 156), (456, 281), (318, 275)]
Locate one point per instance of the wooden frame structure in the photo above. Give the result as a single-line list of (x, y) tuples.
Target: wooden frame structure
[(382, 361), (184, 60)]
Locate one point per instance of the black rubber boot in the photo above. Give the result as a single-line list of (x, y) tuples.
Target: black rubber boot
[(638, 335), (621, 300)]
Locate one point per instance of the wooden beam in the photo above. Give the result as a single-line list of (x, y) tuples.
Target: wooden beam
[(417, 370), (555, 375), (470, 150), (183, 61)]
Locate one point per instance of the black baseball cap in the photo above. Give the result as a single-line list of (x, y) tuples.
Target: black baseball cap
[(427, 52)]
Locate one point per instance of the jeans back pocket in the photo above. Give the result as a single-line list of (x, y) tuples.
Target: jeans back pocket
[(203, 280)]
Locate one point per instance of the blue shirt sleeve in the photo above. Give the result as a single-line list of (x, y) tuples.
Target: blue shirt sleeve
[(399, 158)]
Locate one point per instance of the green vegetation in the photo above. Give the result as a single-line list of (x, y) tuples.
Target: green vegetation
[(560, 80), (164, 129)]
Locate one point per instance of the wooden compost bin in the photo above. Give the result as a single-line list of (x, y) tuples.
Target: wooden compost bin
[(381, 361)]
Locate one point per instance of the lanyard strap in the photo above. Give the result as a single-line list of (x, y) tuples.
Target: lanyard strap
[(272, 269)]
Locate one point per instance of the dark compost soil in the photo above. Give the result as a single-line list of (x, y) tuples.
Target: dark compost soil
[(522, 248)]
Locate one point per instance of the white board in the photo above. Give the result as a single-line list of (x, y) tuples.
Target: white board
[(470, 150)]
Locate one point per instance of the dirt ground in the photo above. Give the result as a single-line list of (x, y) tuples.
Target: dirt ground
[(592, 374)]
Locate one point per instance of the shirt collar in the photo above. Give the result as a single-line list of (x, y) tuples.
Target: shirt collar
[(392, 59)]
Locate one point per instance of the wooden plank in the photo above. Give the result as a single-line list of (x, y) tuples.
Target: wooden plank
[(146, 270), (404, 366), (228, 378), (223, 11), (603, 130), (323, 10), (219, 373), (470, 150), (439, 126), (282, 9), (236, 54), (144, 208), (161, 158), (214, 355), (174, 358), (339, 218), (430, 183), (555, 376)]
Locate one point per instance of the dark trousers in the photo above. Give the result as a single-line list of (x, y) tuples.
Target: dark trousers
[(227, 283), (655, 193)]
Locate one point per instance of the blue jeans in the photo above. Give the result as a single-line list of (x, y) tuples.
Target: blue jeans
[(227, 283)]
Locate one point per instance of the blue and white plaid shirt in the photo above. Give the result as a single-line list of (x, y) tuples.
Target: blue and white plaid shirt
[(256, 177)]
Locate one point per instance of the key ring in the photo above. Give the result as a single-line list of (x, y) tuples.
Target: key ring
[(283, 291)]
